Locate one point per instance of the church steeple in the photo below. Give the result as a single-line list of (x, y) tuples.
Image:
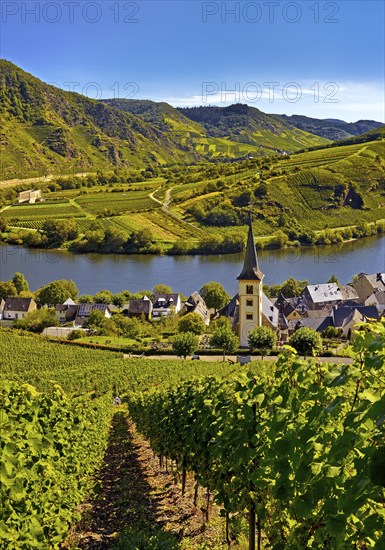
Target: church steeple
[(250, 293), (250, 271)]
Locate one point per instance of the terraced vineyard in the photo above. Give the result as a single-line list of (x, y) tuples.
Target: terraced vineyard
[(116, 203), (35, 212), (162, 225), (179, 207), (298, 437)]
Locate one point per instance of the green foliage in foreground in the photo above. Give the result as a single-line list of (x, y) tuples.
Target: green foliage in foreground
[(50, 446), (297, 447), (51, 442)]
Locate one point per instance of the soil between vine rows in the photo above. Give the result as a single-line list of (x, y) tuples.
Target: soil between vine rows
[(138, 504)]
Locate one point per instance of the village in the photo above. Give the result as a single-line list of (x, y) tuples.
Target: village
[(332, 310)]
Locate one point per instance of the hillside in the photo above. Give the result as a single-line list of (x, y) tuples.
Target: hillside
[(332, 129), (232, 131), (47, 130), (246, 124), (315, 197)]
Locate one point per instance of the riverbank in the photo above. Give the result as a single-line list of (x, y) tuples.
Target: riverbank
[(278, 241), (186, 273)]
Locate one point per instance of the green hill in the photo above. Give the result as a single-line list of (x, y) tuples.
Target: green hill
[(232, 131), (249, 125), (333, 129), (45, 130)]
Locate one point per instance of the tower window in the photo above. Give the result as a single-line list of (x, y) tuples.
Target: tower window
[(249, 303), (249, 289), (249, 316)]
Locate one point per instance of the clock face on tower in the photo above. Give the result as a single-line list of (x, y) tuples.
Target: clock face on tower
[(247, 328)]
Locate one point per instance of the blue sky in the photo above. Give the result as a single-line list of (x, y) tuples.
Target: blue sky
[(321, 59)]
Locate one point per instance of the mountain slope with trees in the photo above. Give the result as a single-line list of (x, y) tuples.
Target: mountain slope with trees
[(247, 124), (328, 128), (45, 130)]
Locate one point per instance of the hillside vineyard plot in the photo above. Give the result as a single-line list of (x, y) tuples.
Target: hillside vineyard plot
[(297, 447)]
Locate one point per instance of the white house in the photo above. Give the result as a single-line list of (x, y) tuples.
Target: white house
[(17, 308), (29, 197), (164, 305)]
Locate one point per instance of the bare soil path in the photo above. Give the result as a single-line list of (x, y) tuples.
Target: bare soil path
[(139, 504)]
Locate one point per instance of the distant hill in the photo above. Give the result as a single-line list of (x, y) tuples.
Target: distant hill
[(330, 128), (372, 135), (236, 124), (247, 124), (47, 129)]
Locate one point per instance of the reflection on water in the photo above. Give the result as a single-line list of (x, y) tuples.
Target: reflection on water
[(92, 272)]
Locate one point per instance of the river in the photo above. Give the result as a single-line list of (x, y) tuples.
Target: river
[(93, 272)]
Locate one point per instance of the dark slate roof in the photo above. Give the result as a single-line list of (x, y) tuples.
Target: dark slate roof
[(85, 309), (196, 304), (341, 313), (229, 309), (316, 323), (250, 271), (140, 306), (165, 300), (17, 304)]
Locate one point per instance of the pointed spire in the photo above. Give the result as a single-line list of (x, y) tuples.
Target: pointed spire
[(250, 271)]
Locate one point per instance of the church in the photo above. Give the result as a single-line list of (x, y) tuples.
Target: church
[(250, 308)]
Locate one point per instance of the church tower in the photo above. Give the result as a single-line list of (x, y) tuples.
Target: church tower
[(250, 291)]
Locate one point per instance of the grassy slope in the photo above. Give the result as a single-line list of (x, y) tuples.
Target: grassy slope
[(249, 125), (330, 129), (304, 185), (301, 184), (234, 131), (47, 130)]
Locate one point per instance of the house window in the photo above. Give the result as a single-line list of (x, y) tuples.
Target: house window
[(249, 303), (249, 316), (249, 289)]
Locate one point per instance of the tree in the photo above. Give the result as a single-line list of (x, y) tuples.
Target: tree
[(263, 339), (114, 240), (292, 288), (86, 299), (20, 282), (60, 231), (38, 320), (119, 300), (7, 289), (139, 241), (334, 279), (192, 322), (214, 295), (103, 297), (162, 289), (128, 327), (95, 321), (306, 341), (185, 343), (75, 334), (224, 339), (57, 292)]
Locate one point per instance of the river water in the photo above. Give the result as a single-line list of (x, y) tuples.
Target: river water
[(93, 272)]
